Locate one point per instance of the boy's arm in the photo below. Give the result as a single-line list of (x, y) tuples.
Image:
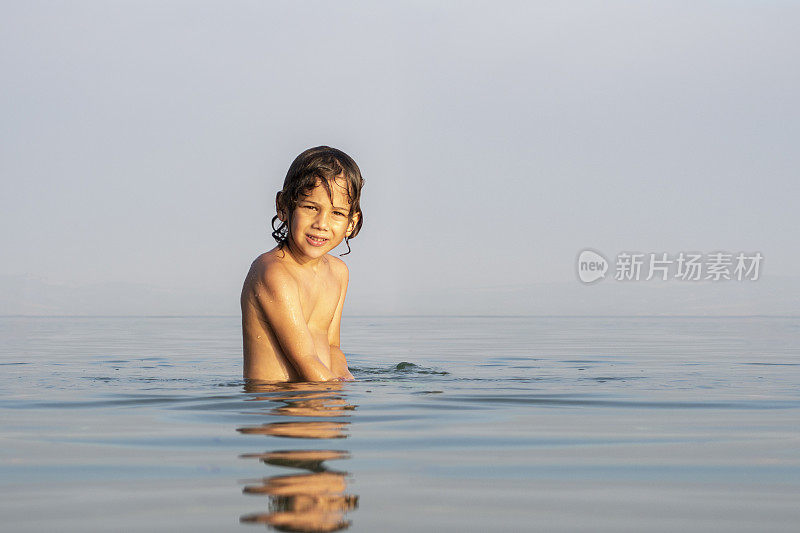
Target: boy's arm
[(338, 361), (278, 295)]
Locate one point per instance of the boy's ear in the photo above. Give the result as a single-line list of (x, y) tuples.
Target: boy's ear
[(279, 207), (352, 224)]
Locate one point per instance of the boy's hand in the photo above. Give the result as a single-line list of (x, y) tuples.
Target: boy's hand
[(339, 365)]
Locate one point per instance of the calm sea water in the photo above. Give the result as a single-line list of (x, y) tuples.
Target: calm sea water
[(454, 424)]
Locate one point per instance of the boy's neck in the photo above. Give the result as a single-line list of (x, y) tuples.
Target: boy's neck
[(310, 264)]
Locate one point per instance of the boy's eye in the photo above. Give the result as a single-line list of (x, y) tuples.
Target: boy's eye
[(339, 213)]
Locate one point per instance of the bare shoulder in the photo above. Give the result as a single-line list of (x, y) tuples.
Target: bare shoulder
[(339, 268), (268, 273)]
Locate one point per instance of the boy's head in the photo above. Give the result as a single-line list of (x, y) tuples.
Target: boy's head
[(325, 167)]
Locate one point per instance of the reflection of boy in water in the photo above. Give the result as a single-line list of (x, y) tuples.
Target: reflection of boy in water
[(293, 296), (305, 502), (314, 501)]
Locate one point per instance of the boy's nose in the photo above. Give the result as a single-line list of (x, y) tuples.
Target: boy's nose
[(321, 221)]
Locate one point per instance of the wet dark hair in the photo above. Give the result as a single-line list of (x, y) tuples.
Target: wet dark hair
[(318, 165)]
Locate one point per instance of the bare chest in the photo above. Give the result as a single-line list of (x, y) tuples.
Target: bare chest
[(319, 297)]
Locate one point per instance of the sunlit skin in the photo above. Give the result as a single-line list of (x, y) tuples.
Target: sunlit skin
[(293, 296)]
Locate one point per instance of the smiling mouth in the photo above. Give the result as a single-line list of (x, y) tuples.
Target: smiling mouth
[(316, 241)]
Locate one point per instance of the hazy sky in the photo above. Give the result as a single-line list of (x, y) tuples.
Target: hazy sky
[(143, 142)]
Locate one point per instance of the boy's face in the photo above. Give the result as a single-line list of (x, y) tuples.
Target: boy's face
[(319, 225)]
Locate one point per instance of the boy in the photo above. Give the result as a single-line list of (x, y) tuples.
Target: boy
[(293, 296)]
